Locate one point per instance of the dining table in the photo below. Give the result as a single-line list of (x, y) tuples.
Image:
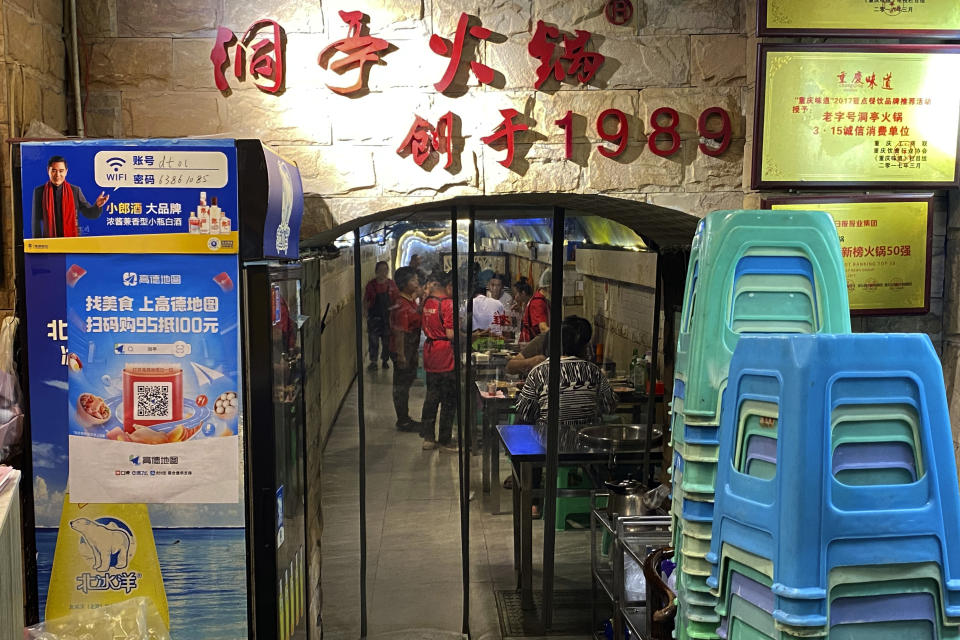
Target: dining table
[(526, 450)]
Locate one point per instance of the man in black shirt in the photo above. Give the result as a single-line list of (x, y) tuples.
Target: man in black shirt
[(57, 202)]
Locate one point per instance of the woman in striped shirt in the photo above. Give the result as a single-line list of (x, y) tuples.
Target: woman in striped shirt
[(585, 393)]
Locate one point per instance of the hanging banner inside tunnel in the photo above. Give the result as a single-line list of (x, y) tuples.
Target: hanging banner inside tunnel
[(885, 243), (856, 115)]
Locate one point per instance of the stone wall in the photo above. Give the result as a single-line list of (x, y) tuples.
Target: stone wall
[(33, 88), (618, 298), (688, 55)]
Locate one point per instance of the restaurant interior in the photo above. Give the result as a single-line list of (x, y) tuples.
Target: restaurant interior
[(496, 533)]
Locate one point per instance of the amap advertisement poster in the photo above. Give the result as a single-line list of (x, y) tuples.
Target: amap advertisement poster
[(153, 378), (135, 385)]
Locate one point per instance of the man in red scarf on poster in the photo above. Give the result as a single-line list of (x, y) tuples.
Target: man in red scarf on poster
[(56, 203)]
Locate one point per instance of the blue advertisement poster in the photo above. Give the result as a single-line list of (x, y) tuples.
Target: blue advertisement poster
[(198, 571), (153, 382), (180, 196), (135, 382)]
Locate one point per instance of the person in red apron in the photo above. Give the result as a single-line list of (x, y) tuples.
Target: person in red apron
[(378, 297), (405, 344), (438, 363), (536, 317)]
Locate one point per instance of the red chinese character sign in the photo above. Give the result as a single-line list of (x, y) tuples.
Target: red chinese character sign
[(507, 131), (454, 51), (579, 62), (264, 43), (360, 50), (424, 138)]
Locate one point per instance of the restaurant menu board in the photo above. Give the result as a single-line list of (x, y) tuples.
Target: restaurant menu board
[(857, 116), (881, 18), (886, 251)]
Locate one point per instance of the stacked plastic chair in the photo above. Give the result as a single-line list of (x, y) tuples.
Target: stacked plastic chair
[(749, 272), (842, 519)]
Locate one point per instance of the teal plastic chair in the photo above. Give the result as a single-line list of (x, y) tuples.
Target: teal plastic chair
[(754, 272)]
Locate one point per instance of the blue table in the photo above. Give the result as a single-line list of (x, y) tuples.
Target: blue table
[(527, 450)]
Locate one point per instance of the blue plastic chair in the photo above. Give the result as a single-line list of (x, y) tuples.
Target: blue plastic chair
[(805, 520)]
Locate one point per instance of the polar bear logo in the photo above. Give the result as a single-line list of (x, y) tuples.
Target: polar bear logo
[(105, 543)]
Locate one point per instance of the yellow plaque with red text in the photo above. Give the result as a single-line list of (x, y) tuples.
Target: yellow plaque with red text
[(894, 17), (885, 252), (855, 116)]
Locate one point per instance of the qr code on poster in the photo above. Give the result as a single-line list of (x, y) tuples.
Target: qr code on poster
[(153, 400)]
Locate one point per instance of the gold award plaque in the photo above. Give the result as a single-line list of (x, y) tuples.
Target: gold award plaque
[(860, 117), (863, 15), (884, 248)]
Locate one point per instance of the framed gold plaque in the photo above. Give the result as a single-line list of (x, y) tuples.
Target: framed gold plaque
[(856, 116), (859, 18), (886, 245)]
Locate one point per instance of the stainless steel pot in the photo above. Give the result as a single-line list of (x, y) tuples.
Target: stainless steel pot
[(626, 498), (618, 437)]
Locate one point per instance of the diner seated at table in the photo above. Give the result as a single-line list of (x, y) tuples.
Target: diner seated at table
[(532, 354), (585, 393)]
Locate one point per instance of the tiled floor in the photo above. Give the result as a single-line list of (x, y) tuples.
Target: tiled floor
[(414, 581)]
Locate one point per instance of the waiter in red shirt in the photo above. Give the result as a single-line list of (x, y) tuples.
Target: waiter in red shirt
[(536, 317), (405, 344), (438, 364)]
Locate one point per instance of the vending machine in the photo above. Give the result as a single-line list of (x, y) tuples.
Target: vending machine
[(160, 286)]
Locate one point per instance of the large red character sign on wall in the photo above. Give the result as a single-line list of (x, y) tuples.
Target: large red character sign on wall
[(266, 55), (360, 49), (454, 51), (580, 63)]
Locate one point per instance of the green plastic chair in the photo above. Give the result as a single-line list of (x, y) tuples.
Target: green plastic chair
[(876, 576), (718, 305), (567, 506)]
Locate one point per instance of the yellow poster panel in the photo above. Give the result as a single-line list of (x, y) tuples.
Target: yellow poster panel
[(884, 247), (860, 117), (863, 15)]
